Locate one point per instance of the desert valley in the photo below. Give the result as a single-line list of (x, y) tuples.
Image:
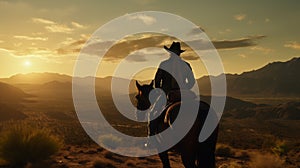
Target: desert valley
[(259, 127)]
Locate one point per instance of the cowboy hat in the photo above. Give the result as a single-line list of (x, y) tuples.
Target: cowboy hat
[(175, 48)]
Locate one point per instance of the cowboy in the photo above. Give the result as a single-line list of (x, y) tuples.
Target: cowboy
[(175, 77), (174, 74)]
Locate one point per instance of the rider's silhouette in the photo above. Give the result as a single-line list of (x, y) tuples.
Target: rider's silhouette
[(173, 76)]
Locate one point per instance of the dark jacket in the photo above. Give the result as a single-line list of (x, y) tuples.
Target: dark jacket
[(173, 74)]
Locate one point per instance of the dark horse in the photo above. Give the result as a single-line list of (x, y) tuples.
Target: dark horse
[(193, 153)]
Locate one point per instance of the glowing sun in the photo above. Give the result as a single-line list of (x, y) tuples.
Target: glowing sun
[(27, 63)]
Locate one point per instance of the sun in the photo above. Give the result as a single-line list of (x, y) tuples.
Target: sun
[(27, 63)]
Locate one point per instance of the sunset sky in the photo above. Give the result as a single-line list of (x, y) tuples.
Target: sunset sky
[(47, 36)]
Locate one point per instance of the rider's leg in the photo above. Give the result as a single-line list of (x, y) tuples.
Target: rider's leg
[(152, 128), (164, 157)]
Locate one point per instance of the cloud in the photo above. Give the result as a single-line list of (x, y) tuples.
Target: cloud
[(293, 44), (77, 25), (130, 45), (195, 31), (34, 51), (97, 47), (31, 38), (237, 43), (262, 49), (225, 44), (239, 17), (137, 56), (1, 41), (225, 31), (190, 57), (71, 46), (43, 54), (55, 28), (243, 55), (148, 20), (43, 21), (146, 54), (121, 49)]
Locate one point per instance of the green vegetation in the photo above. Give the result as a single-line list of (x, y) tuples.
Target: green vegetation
[(281, 148), (23, 144)]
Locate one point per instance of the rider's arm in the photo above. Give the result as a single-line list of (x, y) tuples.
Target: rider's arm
[(158, 78), (190, 78)]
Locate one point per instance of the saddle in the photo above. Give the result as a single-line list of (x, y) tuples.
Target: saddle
[(180, 95), (175, 97)]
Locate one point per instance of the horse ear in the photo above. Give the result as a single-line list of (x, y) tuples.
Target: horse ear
[(152, 83), (138, 85)]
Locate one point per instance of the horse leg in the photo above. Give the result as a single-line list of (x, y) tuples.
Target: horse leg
[(164, 157), (206, 152), (188, 160), (206, 158)]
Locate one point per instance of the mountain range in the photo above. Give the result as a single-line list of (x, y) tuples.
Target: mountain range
[(11, 93), (278, 79)]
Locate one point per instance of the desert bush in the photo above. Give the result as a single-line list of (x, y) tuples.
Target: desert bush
[(224, 150), (22, 144), (266, 160), (280, 148)]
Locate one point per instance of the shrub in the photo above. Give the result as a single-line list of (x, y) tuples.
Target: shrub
[(21, 145), (266, 160), (280, 148), (224, 151)]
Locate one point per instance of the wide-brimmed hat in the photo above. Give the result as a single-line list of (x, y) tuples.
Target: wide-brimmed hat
[(175, 48)]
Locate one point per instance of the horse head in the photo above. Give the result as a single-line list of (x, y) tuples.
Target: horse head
[(142, 97)]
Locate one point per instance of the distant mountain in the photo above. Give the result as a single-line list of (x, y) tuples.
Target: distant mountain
[(55, 80), (274, 79), (56, 85), (279, 79), (286, 111), (11, 93), (62, 91), (36, 78), (290, 110), (10, 102)]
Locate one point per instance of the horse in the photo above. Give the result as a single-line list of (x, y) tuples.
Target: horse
[(194, 154)]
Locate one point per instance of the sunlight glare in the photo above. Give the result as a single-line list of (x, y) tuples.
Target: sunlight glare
[(27, 63)]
